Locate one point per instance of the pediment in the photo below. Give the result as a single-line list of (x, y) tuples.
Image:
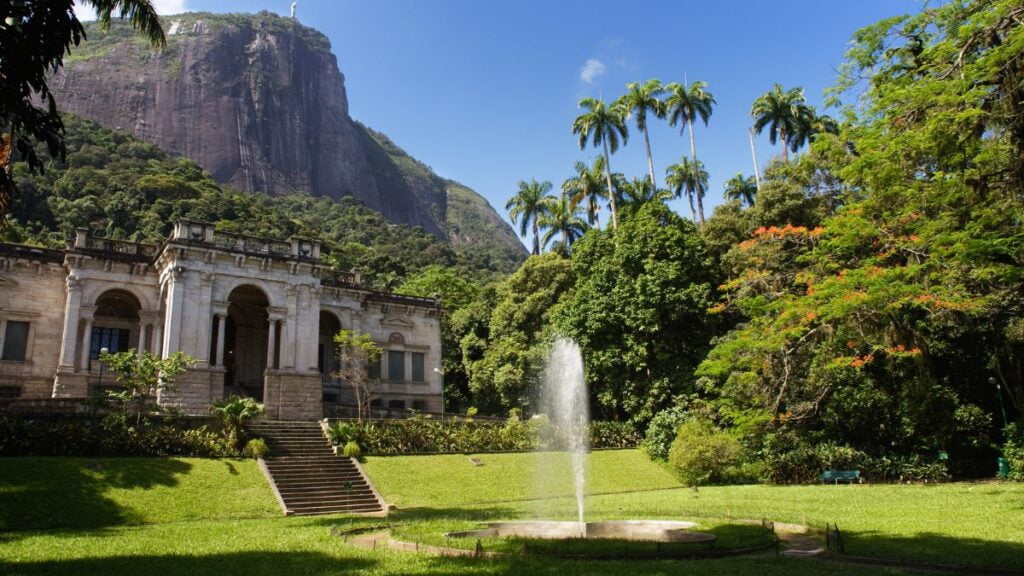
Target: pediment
[(396, 320)]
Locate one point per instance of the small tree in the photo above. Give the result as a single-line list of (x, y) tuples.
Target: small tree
[(143, 376), (355, 353), (233, 413)]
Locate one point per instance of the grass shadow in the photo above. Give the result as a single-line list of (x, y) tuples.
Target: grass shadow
[(931, 548), (248, 563), (58, 493)]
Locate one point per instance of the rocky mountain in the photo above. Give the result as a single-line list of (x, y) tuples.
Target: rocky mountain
[(258, 101)]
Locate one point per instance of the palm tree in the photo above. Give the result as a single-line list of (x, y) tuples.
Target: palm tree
[(588, 186), (783, 112), (638, 191), (684, 106), (742, 188), (604, 126), (640, 99), (688, 176), (528, 207), (562, 217), (809, 124)]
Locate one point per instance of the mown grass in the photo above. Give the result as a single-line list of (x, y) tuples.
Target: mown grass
[(42, 493), (199, 517), (979, 524), (446, 480)]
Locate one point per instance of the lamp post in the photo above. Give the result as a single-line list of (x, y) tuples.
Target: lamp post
[(1002, 465), (999, 394), (103, 352), (441, 372)]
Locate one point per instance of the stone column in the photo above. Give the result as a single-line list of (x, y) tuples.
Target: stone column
[(86, 344), (142, 338), (271, 343), (158, 339), (175, 310), (70, 336), (222, 325)]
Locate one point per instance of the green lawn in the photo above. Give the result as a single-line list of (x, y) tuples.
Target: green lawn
[(196, 517)]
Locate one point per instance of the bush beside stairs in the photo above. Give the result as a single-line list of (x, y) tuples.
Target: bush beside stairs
[(308, 477)]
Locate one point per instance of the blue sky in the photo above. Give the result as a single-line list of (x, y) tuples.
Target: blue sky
[(485, 92)]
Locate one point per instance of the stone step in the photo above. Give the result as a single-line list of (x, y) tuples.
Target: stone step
[(315, 510), (303, 472), (294, 503), (316, 480)]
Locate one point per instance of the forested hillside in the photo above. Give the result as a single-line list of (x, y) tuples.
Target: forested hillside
[(120, 187)]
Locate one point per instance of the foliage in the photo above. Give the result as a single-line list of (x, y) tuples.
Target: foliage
[(352, 449), (638, 310), (605, 126), (58, 436), (1013, 451), (356, 352), (662, 429), (504, 348), (121, 188), (34, 38), (702, 454), (233, 413), (684, 105), (424, 435), (141, 377), (256, 448)]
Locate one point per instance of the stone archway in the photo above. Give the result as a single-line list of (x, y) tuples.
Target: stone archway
[(114, 326), (246, 333), (327, 363)]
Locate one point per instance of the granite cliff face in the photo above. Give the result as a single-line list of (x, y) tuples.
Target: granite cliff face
[(259, 102)]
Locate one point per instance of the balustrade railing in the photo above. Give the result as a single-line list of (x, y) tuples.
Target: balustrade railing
[(121, 248), (251, 244), (336, 278)]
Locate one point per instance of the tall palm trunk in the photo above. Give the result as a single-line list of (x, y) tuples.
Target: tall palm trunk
[(650, 160), (785, 145), (693, 213), (753, 154), (696, 166), (611, 191), (536, 236)]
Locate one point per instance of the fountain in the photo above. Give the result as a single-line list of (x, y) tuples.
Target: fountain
[(564, 397)]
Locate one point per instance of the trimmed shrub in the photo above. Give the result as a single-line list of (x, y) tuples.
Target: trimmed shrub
[(702, 454), (256, 448), (1013, 451), (604, 434), (352, 449)]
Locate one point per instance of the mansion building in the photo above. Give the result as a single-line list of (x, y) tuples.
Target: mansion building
[(258, 316)]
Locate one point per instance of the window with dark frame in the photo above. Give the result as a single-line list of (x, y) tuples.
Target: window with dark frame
[(15, 341), (417, 367), (396, 365), (373, 369)]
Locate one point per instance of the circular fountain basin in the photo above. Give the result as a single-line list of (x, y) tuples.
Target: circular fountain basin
[(638, 530)]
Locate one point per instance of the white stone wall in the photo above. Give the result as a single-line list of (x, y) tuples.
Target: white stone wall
[(32, 292)]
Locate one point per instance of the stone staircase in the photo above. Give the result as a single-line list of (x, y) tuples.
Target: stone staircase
[(307, 477)]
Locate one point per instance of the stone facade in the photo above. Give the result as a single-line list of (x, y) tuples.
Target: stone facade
[(258, 316)]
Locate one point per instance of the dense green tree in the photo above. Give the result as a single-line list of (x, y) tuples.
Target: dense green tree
[(528, 208), (505, 360), (639, 99), (588, 186), (684, 105), (688, 177), (604, 126), (880, 328), (457, 293), (638, 310), (35, 35)]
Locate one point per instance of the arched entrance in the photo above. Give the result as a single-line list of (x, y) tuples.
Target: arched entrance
[(326, 362), (115, 324), (245, 342)]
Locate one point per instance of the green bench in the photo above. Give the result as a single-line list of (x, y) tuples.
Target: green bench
[(837, 476)]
